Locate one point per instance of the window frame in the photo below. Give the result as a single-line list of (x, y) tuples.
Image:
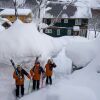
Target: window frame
[(65, 20), (58, 32), (69, 30), (49, 31), (78, 22)]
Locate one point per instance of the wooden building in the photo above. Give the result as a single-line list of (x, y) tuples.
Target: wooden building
[(64, 20), (25, 15)]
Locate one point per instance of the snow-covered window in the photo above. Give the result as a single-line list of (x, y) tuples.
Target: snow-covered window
[(58, 32), (65, 20), (78, 22), (69, 32), (48, 31)]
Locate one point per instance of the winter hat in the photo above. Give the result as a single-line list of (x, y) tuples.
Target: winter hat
[(37, 62)]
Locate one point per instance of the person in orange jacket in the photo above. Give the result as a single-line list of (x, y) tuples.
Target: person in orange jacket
[(19, 79), (49, 71), (36, 74)]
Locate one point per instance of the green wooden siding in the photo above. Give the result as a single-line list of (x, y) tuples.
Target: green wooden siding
[(65, 28), (55, 33)]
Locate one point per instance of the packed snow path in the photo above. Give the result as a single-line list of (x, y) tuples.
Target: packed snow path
[(79, 85)]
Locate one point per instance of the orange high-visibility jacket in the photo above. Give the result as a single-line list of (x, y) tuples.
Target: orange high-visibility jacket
[(19, 80), (36, 72), (49, 69)]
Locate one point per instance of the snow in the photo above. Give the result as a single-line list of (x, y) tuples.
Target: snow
[(90, 3), (76, 28), (19, 2), (83, 9), (64, 64), (23, 43), (1, 28), (81, 53), (9, 11), (23, 40)]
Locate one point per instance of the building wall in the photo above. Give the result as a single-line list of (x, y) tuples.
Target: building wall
[(12, 18), (64, 27)]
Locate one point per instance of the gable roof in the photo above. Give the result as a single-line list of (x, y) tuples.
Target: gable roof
[(65, 10)]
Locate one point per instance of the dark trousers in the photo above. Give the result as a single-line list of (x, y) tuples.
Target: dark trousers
[(48, 80), (36, 84), (17, 90)]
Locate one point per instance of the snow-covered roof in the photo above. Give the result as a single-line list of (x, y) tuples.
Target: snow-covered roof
[(3, 20), (65, 10), (12, 12)]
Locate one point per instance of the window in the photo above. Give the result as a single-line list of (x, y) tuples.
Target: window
[(48, 30), (11, 17), (58, 32), (69, 32), (52, 20), (78, 22), (65, 20), (45, 21), (6, 25), (83, 32), (58, 20)]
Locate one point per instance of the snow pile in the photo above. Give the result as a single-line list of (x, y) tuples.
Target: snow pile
[(82, 84), (81, 53), (1, 28), (24, 40), (6, 83), (64, 64)]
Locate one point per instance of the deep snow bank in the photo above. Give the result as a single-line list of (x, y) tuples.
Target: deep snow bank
[(64, 64), (83, 84), (81, 53), (22, 40), (6, 82)]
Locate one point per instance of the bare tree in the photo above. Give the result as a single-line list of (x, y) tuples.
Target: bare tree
[(18, 3), (40, 5), (94, 24)]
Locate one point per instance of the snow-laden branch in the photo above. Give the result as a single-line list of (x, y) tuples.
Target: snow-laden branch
[(19, 2), (38, 2)]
